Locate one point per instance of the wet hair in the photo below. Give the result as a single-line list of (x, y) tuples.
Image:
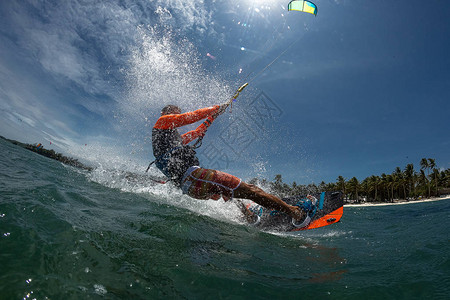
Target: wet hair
[(170, 109)]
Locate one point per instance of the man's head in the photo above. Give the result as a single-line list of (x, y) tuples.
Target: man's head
[(170, 109)]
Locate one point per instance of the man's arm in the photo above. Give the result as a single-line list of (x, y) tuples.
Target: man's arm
[(177, 120), (199, 131)]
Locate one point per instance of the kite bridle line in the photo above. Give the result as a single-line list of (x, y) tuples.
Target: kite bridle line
[(272, 62)]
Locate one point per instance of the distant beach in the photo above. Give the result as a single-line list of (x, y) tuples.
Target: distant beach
[(398, 202)]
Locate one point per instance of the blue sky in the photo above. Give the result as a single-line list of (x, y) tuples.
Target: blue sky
[(364, 88)]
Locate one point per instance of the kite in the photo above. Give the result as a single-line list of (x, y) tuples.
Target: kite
[(305, 6)]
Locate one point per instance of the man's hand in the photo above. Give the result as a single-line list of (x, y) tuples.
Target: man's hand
[(223, 107), (221, 110)]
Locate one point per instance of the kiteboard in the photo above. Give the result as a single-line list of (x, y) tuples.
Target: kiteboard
[(328, 209)]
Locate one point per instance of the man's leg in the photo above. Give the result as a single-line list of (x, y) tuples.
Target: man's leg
[(203, 183), (254, 193)]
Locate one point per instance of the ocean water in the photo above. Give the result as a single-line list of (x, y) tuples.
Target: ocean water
[(70, 234)]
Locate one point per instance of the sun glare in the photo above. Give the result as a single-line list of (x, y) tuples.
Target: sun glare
[(258, 5)]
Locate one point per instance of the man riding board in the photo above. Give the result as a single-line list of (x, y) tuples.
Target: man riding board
[(178, 161)]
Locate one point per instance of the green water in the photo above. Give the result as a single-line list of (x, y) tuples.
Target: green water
[(65, 234)]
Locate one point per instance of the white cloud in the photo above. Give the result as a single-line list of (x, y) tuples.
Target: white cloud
[(58, 56), (22, 118), (85, 41)]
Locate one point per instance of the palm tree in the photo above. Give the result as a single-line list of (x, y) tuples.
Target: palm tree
[(294, 186), (341, 184), (354, 186), (322, 186), (365, 186), (263, 182), (388, 183), (431, 163), (436, 181), (330, 187), (277, 184), (424, 165), (373, 184), (383, 184), (281, 188), (391, 184), (432, 166), (400, 180), (409, 177), (445, 178), (278, 179), (312, 188), (423, 181)]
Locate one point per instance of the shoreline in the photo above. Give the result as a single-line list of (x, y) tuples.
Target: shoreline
[(398, 202), (39, 149)]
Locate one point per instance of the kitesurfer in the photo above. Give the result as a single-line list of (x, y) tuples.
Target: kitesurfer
[(178, 161)]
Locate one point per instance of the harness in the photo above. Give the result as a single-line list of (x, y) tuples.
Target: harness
[(162, 160)]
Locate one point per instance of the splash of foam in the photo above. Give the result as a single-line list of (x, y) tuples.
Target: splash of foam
[(166, 69)]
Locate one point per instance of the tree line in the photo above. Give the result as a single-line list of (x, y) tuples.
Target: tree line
[(402, 184), (50, 154)]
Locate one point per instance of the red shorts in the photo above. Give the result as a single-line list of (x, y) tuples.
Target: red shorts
[(203, 183)]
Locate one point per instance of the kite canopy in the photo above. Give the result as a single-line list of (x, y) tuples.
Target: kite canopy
[(305, 6)]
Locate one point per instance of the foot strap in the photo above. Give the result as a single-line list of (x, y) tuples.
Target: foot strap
[(303, 224), (258, 220), (308, 205)]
